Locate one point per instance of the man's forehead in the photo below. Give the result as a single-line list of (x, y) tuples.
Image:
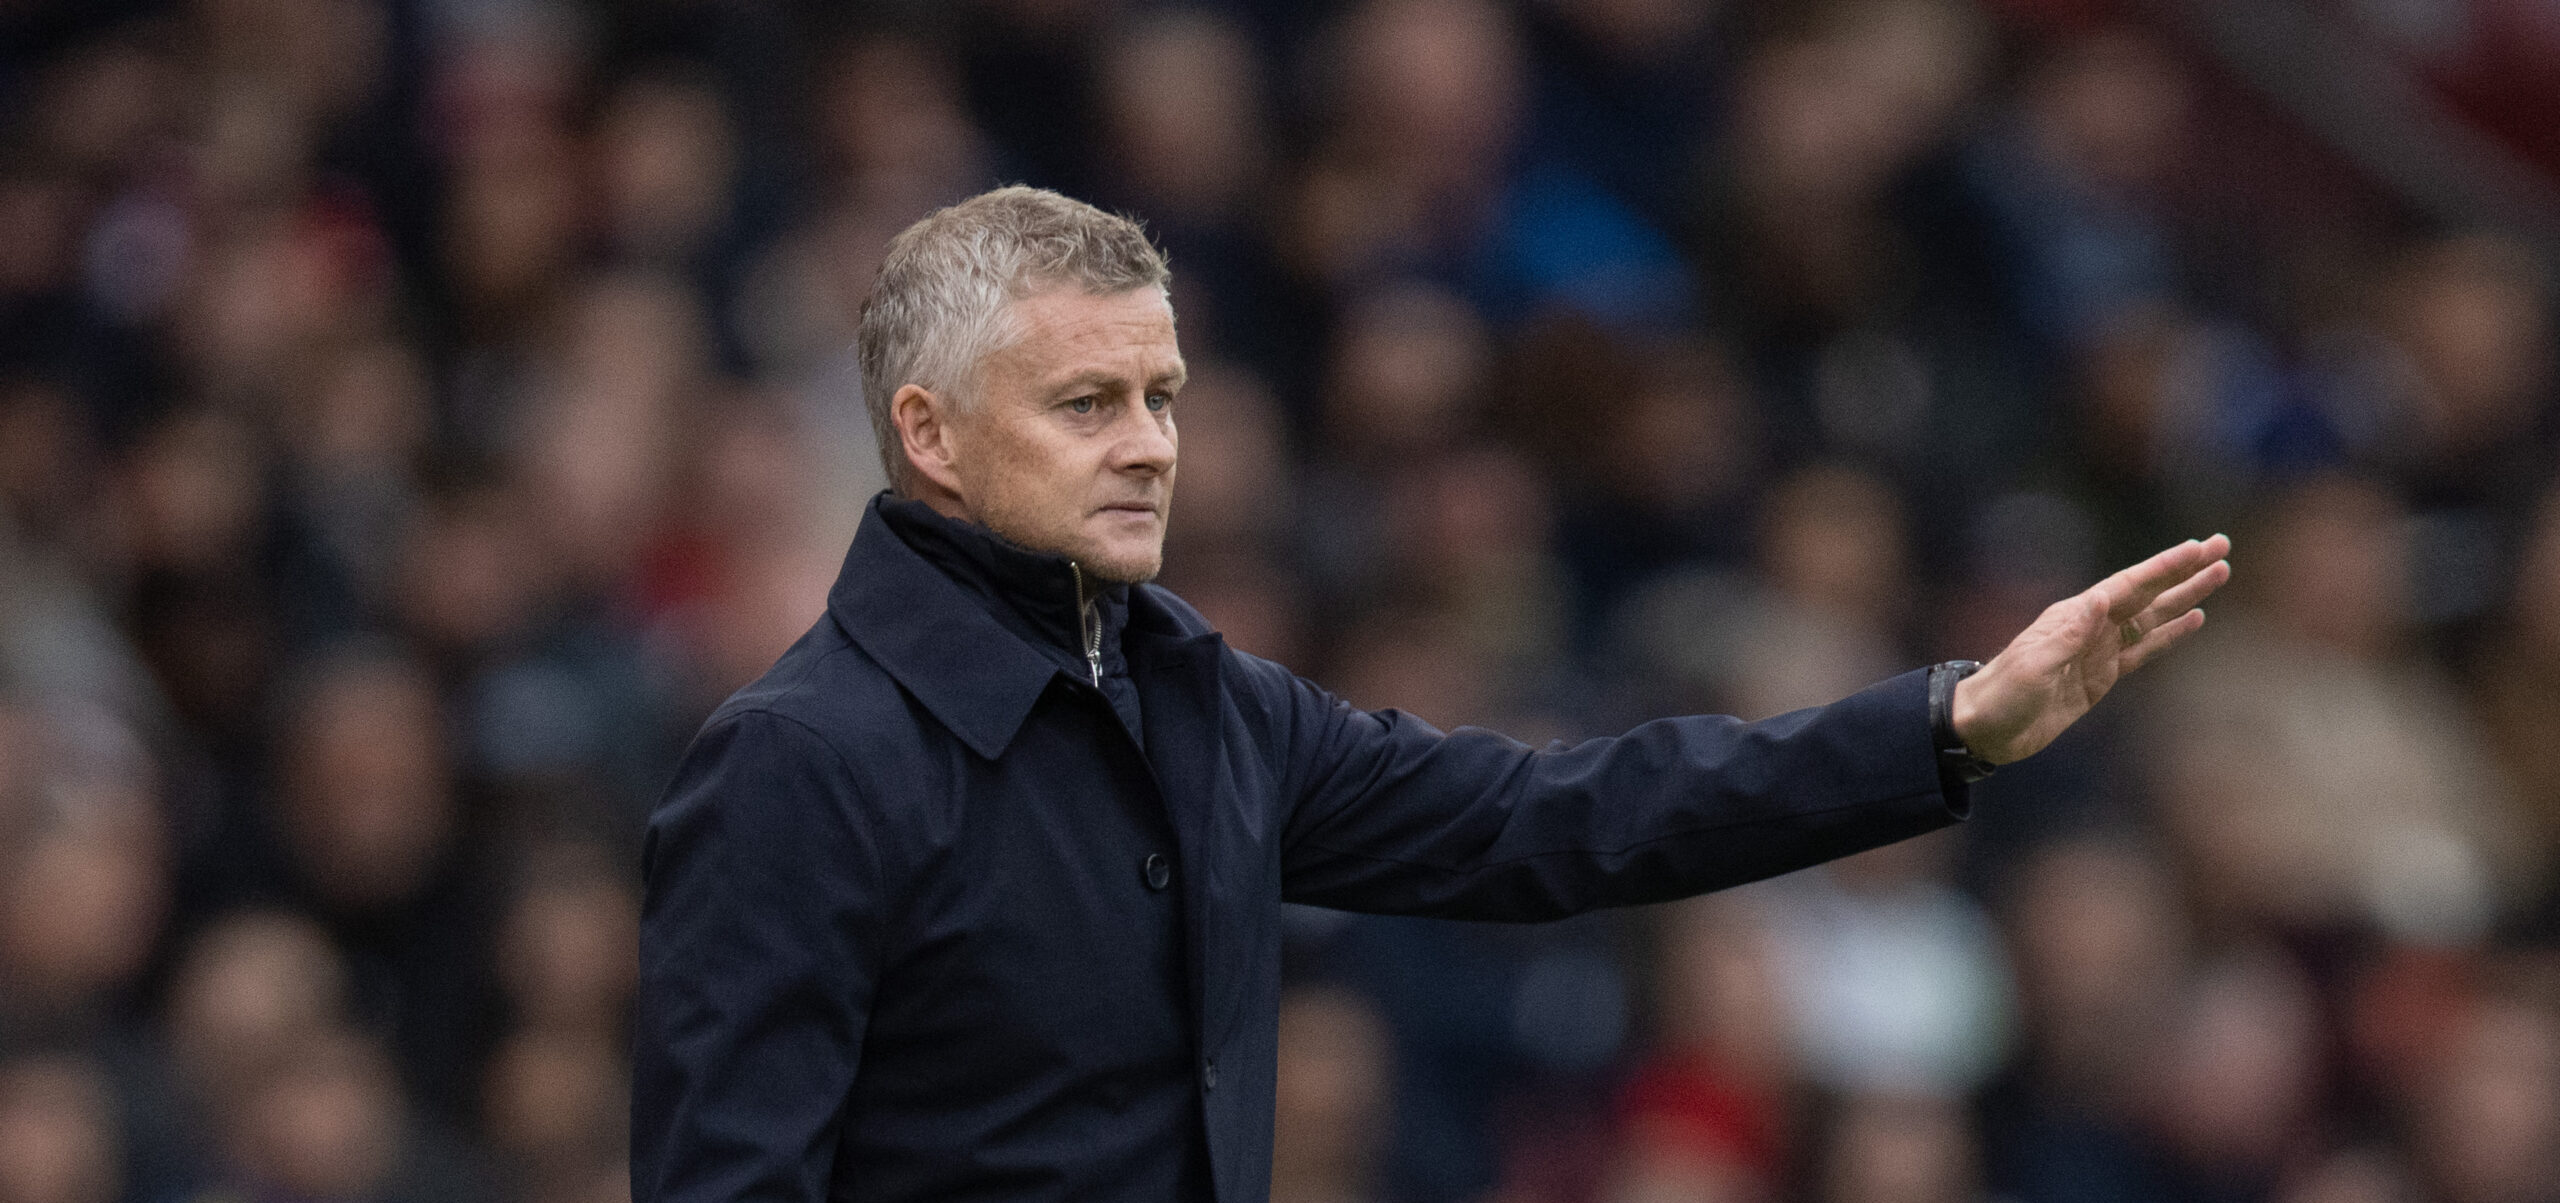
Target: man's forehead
[(1069, 332), (1071, 311)]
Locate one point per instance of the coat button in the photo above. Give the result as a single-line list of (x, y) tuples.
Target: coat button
[(1159, 871), (1209, 1074)]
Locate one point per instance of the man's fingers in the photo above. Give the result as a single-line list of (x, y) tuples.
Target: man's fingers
[(2159, 640), (2132, 591), (2184, 596)]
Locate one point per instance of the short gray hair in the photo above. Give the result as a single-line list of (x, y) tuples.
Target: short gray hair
[(943, 300)]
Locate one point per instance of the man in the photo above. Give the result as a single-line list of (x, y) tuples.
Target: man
[(976, 894)]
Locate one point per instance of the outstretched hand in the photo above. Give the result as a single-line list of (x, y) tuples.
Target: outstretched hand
[(2059, 667)]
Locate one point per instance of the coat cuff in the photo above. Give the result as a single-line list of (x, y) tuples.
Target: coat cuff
[(1900, 708)]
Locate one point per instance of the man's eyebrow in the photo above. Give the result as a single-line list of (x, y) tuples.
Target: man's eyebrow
[(1176, 377), (1089, 378)]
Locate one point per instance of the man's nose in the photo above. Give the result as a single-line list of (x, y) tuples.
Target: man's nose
[(1147, 447)]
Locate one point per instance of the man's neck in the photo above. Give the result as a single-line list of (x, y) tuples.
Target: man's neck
[(943, 501)]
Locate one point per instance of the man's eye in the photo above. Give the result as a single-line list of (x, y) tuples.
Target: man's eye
[(1082, 405), (1158, 401)]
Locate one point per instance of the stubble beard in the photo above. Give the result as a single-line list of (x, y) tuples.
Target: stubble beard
[(1119, 571), (1066, 545), (1123, 574)]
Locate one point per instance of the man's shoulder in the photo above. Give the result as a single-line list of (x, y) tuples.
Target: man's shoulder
[(1261, 685), (1159, 608), (824, 683)]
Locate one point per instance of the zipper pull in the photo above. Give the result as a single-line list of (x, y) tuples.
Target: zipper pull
[(1092, 624)]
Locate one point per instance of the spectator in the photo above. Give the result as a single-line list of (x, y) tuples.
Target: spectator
[(1711, 1113), (2315, 771), (1334, 1073), (58, 1140), (1899, 1149)]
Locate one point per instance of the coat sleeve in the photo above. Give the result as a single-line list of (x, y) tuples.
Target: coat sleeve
[(759, 947), (1392, 816)]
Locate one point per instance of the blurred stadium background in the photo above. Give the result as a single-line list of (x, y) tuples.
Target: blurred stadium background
[(416, 414)]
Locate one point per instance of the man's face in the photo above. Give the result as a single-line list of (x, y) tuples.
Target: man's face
[(1070, 446)]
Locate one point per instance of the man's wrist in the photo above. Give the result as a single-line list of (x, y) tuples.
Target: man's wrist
[(1957, 764)]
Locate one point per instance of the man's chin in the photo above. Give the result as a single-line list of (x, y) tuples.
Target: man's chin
[(1119, 561), (1122, 555), (1124, 569)]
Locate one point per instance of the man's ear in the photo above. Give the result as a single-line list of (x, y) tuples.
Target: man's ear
[(924, 425)]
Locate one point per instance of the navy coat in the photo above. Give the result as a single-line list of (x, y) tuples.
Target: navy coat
[(938, 909)]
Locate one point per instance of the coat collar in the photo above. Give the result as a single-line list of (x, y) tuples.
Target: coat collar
[(979, 672), (1033, 594)]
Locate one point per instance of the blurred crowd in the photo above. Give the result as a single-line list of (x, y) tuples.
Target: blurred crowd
[(415, 415)]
